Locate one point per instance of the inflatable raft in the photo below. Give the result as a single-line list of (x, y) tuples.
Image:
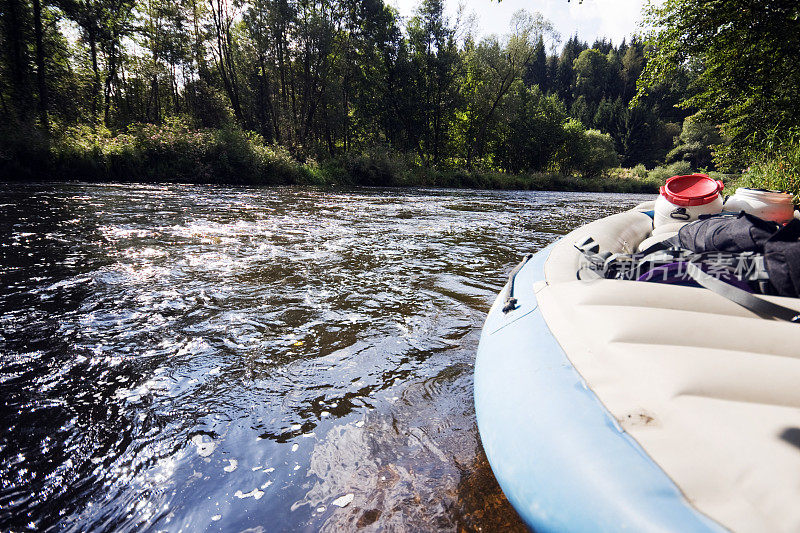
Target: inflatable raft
[(611, 405)]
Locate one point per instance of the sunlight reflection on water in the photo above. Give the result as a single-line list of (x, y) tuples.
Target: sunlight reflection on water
[(179, 357)]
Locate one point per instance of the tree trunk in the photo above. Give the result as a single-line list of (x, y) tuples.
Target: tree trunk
[(176, 104), (480, 138), (225, 61), (40, 68), (112, 74), (96, 69), (156, 104), (202, 68), (267, 99), (16, 58)]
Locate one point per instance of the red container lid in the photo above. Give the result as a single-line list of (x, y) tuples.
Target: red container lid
[(693, 189)]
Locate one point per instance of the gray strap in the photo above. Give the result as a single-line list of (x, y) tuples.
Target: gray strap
[(755, 304)]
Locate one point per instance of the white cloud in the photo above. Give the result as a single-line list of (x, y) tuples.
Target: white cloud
[(592, 19)]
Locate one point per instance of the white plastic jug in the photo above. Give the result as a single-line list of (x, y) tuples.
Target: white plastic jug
[(685, 198), (769, 205)]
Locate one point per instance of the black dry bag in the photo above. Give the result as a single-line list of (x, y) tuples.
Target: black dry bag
[(744, 232)]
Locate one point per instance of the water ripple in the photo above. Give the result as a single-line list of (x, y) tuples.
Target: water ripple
[(180, 357)]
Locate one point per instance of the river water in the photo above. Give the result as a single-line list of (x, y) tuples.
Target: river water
[(287, 359)]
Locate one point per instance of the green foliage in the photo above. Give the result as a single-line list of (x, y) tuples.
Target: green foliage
[(493, 74), (592, 74), (375, 167), (534, 131), (600, 153), (661, 174), (169, 152), (178, 153), (694, 144), (587, 152), (24, 152), (272, 91), (744, 55), (635, 179), (434, 61), (777, 165), (573, 150), (640, 171)]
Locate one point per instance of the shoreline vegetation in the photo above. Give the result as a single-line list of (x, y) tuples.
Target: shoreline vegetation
[(351, 93), (176, 153)]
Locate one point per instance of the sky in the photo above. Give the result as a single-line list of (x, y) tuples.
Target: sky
[(613, 19)]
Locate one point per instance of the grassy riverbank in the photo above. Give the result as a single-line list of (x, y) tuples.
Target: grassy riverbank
[(177, 153), (777, 167)]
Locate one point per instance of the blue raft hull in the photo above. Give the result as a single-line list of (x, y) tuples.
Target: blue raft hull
[(560, 457)]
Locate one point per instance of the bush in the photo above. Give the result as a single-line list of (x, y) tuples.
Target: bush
[(24, 152), (574, 149), (535, 131), (679, 168), (211, 105), (172, 151), (695, 143), (639, 171), (175, 151), (777, 167), (600, 153), (375, 167), (587, 152)]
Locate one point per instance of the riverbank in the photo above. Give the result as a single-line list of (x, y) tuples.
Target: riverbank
[(178, 154), (231, 156)]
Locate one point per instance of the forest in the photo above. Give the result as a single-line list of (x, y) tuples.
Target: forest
[(347, 91)]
